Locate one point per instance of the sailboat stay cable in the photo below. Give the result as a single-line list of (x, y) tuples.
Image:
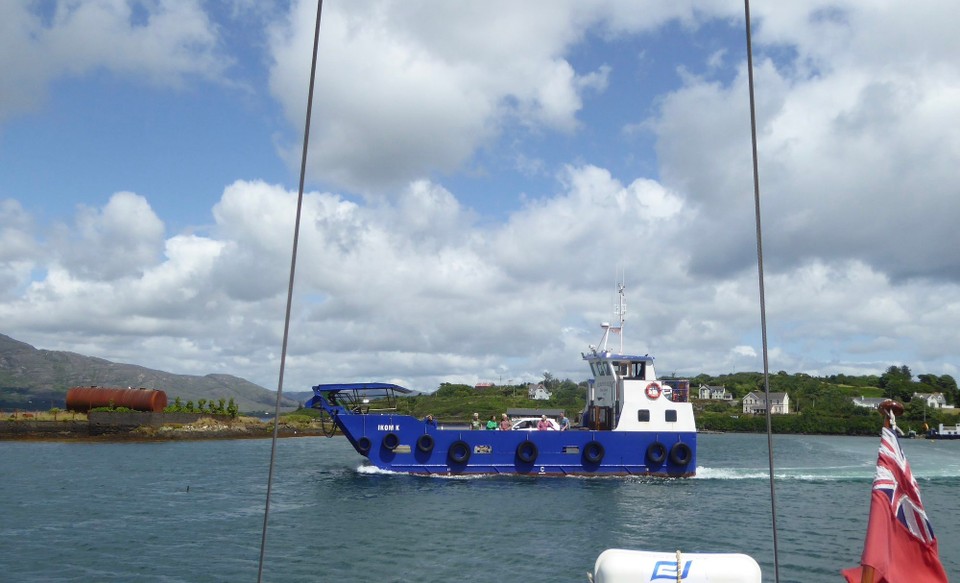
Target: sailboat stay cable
[(293, 264), (763, 306), (293, 271)]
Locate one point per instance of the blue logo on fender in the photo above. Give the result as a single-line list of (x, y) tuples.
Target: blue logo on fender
[(668, 570)]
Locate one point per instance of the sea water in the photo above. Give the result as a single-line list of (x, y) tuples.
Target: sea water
[(194, 511)]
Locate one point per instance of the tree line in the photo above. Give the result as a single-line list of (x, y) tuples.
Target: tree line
[(820, 404), (220, 407)]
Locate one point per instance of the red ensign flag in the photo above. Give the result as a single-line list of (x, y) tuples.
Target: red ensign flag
[(900, 545)]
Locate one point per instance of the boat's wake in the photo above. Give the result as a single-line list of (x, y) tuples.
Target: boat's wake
[(371, 470), (374, 470), (818, 474)]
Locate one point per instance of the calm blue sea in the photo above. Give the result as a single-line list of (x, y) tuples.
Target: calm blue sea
[(193, 511)]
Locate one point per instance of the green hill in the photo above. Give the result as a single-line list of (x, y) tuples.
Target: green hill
[(39, 379)]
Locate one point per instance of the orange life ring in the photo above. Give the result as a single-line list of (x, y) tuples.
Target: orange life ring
[(653, 391)]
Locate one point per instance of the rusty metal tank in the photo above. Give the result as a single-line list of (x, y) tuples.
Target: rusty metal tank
[(86, 398)]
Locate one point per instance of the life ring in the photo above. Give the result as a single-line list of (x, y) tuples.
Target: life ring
[(593, 452), (459, 452), (527, 452), (653, 391), (363, 445), (425, 443), (681, 454), (656, 452), (391, 441)]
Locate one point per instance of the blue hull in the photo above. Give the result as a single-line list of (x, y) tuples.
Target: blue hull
[(403, 443)]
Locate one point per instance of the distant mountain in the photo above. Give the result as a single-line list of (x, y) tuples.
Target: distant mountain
[(298, 396), (38, 379)]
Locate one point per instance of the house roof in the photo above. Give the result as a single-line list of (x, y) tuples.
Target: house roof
[(763, 396), (869, 400)]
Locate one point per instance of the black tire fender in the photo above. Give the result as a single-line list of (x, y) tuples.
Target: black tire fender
[(527, 452), (593, 452), (425, 443), (681, 454), (391, 441), (363, 445), (656, 452), (459, 452)]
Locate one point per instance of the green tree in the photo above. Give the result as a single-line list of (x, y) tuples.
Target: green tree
[(918, 412), (931, 383), (948, 386), (454, 390), (897, 383), (719, 407), (232, 409), (930, 380), (550, 382)]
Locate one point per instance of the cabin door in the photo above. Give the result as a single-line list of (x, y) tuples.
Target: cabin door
[(601, 418)]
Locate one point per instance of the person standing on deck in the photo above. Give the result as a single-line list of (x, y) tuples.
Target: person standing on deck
[(543, 424), (475, 424), (505, 424), (564, 422), (492, 424)]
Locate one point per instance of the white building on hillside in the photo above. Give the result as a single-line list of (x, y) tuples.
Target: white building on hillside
[(756, 403), (934, 400), (538, 392), (714, 393), (868, 402)]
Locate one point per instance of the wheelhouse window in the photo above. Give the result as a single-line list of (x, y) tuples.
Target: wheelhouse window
[(601, 368), (670, 416), (643, 415)]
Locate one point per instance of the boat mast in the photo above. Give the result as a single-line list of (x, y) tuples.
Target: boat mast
[(621, 310)]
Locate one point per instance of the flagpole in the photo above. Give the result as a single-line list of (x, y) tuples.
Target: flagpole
[(889, 409)]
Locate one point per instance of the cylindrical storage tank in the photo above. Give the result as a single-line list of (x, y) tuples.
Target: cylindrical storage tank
[(86, 398)]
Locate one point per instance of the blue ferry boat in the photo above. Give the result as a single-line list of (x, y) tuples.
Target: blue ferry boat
[(632, 424)]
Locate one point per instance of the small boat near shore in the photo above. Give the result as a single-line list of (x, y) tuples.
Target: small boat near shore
[(945, 432), (632, 424)]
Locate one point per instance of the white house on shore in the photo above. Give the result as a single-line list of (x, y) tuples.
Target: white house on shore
[(756, 403), (934, 400), (714, 393)]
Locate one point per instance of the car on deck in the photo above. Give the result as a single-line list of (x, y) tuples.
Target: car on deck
[(528, 423)]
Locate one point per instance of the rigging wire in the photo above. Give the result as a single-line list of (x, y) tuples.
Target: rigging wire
[(293, 268), (763, 305), (293, 271)]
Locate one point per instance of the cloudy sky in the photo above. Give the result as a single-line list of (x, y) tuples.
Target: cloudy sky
[(479, 176)]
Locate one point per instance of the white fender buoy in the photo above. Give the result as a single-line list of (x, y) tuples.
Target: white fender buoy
[(622, 566)]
